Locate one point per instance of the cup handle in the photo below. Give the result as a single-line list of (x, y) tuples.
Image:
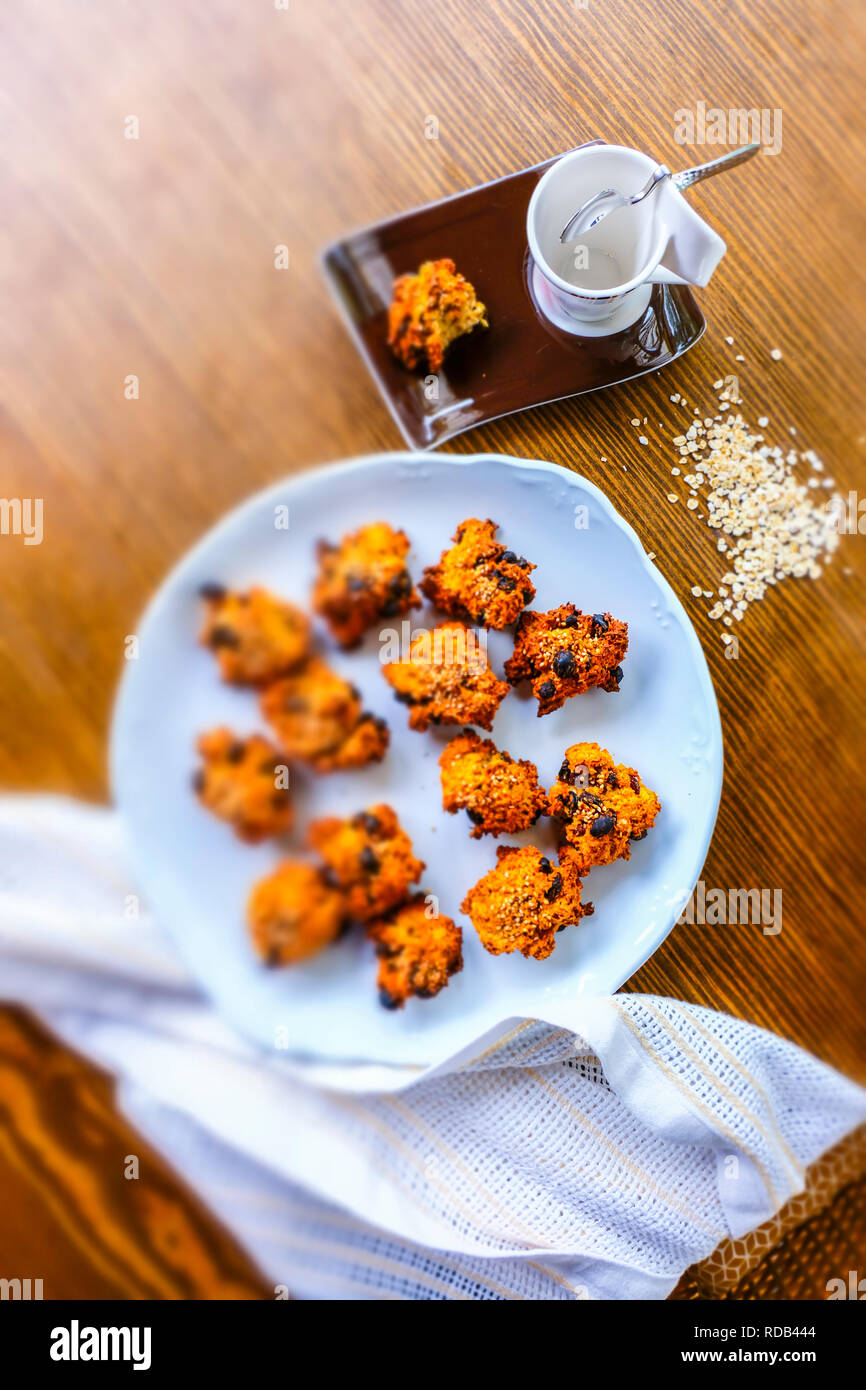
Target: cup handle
[(693, 250), (661, 276)]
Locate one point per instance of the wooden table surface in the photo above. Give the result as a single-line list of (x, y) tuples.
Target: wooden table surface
[(154, 257)]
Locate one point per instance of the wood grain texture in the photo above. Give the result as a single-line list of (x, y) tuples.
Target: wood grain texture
[(71, 1215), (156, 257)]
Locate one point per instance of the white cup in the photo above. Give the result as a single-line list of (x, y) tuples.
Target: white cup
[(605, 276)]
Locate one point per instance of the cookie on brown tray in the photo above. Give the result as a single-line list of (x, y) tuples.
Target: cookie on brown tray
[(254, 636), (565, 652), (318, 719), (294, 913), (244, 781), (602, 805), (523, 902), (499, 795), (446, 679), (369, 858), (362, 580), (418, 952), (429, 310), (480, 578)]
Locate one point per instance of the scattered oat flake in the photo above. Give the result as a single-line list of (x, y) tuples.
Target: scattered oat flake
[(635, 421), (768, 522), (642, 439), (776, 354), (729, 341)]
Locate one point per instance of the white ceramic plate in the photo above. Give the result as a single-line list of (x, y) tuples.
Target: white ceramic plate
[(665, 722)]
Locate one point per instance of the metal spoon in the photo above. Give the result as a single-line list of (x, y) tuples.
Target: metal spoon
[(602, 204)]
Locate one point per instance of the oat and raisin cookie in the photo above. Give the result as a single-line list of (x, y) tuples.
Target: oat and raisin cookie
[(318, 719), (293, 913), (480, 578), (243, 781), (446, 679), (369, 858), (523, 902), (363, 579), (499, 795), (418, 952), (602, 806), (254, 636), (565, 652), (428, 311)]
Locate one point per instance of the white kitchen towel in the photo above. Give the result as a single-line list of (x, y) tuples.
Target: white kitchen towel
[(539, 1163)]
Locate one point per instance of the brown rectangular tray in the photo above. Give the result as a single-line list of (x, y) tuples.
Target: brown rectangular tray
[(521, 360)]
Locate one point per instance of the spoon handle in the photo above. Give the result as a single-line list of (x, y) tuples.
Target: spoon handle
[(715, 166)]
